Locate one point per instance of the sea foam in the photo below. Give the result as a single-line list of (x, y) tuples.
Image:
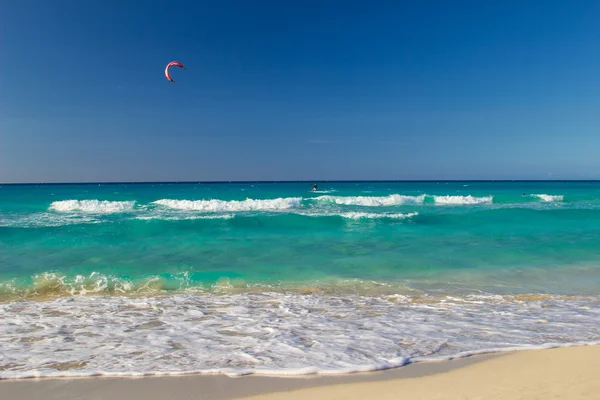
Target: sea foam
[(92, 206), (232, 205), (275, 333), (364, 215), (47, 219), (462, 200), (549, 197), (373, 201)]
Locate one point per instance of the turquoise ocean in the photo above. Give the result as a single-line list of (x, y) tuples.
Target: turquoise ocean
[(273, 278)]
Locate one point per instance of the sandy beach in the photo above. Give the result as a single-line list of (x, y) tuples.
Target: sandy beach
[(562, 373)]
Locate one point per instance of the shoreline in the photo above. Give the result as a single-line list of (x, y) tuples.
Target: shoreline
[(521, 374), (308, 372), (212, 387), (567, 373)]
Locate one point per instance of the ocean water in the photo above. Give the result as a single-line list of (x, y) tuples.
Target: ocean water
[(272, 278)]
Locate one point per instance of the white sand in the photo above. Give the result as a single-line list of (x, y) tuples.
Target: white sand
[(565, 373)]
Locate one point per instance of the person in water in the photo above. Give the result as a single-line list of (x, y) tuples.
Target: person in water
[(314, 189)]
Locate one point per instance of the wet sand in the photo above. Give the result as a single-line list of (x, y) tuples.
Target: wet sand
[(205, 387), (564, 373)]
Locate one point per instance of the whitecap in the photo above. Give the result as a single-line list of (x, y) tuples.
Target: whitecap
[(373, 201), (216, 205), (549, 197), (462, 200), (92, 206)]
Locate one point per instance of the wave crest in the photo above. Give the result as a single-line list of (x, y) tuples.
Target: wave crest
[(462, 200), (231, 205), (373, 201), (92, 206), (549, 197)]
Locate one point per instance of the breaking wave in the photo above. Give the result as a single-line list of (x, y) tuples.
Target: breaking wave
[(76, 212), (232, 205), (549, 197), (462, 200), (92, 206), (363, 215), (373, 201)]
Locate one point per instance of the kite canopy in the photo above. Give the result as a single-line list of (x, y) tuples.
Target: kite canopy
[(172, 63)]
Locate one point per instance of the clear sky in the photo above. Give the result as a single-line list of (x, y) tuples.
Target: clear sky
[(315, 90)]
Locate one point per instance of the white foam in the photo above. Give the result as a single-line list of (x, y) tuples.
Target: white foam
[(373, 201), (548, 197), (364, 215), (275, 333), (232, 205), (183, 217), (46, 219), (92, 206), (462, 200), (356, 215)]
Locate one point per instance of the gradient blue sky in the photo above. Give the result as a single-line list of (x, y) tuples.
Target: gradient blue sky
[(314, 90)]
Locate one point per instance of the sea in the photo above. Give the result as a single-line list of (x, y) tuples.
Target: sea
[(273, 278)]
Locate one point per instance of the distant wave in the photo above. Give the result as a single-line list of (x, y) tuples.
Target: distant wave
[(183, 217), (277, 204), (549, 197), (92, 206), (74, 212), (373, 201), (363, 215), (398, 199), (460, 200), (356, 215), (232, 205)]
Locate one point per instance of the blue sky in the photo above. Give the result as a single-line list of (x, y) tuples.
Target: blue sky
[(313, 90)]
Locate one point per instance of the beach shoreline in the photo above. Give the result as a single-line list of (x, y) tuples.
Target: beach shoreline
[(213, 386), (565, 373)]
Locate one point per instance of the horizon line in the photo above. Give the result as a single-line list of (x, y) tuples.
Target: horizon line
[(295, 181)]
